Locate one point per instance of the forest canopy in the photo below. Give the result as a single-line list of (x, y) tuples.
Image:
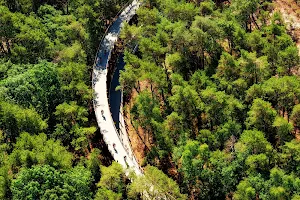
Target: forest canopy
[(213, 85), (215, 88)]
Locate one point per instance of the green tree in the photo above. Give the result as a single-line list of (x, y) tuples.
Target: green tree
[(253, 142), (256, 42), (283, 130), (248, 189), (73, 78), (71, 114), (154, 184), (205, 173), (36, 149), (290, 156), (244, 10), (72, 127), (200, 81), (255, 153), (111, 183), (220, 107), (5, 179), (226, 132), (38, 87), (192, 157), (8, 30), (278, 41), (278, 186), (73, 53), (106, 194), (205, 32), (81, 136), (228, 68), (15, 119), (32, 41), (147, 109), (261, 117), (253, 69), (295, 116), (282, 93), (44, 182), (186, 102), (93, 164), (207, 7), (288, 60), (174, 127)]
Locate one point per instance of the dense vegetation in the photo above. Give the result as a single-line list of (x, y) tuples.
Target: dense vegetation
[(217, 97), (220, 106), (46, 117)]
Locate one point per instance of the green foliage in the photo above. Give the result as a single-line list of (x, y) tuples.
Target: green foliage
[(154, 184), (46, 50), (111, 184), (279, 185), (93, 164), (174, 127), (245, 8), (36, 149), (290, 156), (282, 93), (261, 116), (207, 7), (147, 110), (106, 194), (73, 77), (15, 119), (4, 182), (215, 91), (295, 116), (256, 152), (253, 142), (288, 59), (37, 87), (71, 128), (283, 130), (228, 68), (226, 132), (220, 107), (185, 101), (71, 114), (207, 173), (44, 182), (253, 69)]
